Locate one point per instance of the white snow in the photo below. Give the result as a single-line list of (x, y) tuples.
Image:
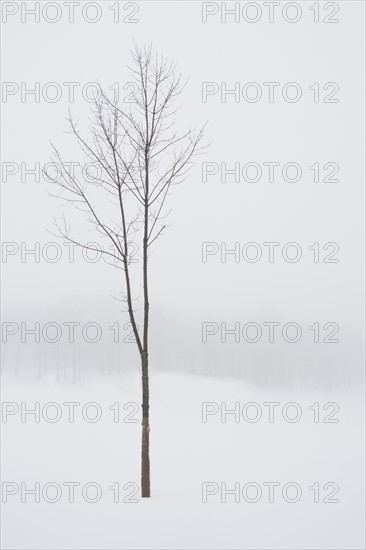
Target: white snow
[(185, 452)]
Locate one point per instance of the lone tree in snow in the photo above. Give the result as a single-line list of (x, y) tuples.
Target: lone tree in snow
[(139, 155)]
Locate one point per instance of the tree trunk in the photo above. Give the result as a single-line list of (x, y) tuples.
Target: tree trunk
[(145, 442)]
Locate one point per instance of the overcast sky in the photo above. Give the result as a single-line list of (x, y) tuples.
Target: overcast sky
[(302, 132)]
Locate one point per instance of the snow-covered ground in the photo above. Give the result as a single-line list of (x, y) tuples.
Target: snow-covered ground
[(185, 454)]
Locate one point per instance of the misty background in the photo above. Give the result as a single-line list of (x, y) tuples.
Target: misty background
[(185, 291)]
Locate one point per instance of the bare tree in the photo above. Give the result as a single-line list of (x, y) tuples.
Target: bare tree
[(139, 155)]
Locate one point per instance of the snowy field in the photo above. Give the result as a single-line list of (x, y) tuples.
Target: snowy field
[(190, 459)]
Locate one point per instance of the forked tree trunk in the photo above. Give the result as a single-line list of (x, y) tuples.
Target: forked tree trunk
[(132, 137), (145, 455), (123, 138), (145, 442)]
